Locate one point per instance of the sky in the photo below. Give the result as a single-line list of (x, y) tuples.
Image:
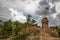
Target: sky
[(19, 9)]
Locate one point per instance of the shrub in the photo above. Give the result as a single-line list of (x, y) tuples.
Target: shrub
[(21, 37)]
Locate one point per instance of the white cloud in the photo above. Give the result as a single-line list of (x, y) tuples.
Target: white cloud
[(18, 16), (57, 7)]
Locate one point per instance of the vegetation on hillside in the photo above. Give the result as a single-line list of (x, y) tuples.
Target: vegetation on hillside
[(15, 29), (18, 30), (58, 30)]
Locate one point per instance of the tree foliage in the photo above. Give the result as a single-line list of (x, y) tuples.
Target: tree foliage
[(14, 27), (28, 18), (58, 30), (21, 37)]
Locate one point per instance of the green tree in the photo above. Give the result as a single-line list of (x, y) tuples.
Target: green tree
[(8, 25), (21, 37), (28, 18), (6, 28), (33, 21), (1, 26), (1, 21), (58, 30), (15, 27)]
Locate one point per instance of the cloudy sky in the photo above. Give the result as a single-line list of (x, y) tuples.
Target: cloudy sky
[(18, 9)]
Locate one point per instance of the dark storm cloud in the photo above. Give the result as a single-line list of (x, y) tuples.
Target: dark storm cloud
[(11, 0), (43, 8), (23, 0), (46, 9), (53, 10), (54, 0), (58, 17), (3, 19), (5, 13), (52, 21), (43, 2), (33, 0)]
